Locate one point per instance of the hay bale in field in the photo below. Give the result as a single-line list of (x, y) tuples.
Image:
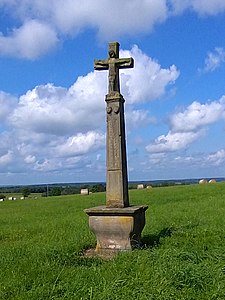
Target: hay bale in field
[(203, 181), (140, 186), (84, 192), (212, 181)]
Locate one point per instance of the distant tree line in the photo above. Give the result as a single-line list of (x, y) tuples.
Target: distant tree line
[(22, 189), (70, 190), (51, 190)]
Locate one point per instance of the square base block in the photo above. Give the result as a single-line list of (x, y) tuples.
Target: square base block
[(117, 228)]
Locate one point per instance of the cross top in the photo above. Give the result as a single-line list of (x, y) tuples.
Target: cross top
[(113, 64)]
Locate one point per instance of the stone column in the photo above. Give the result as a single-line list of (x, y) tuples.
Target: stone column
[(116, 177)]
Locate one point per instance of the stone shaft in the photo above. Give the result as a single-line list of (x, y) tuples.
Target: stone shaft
[(116, 177)]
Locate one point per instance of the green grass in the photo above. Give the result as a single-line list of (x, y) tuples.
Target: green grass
[(183, 257)]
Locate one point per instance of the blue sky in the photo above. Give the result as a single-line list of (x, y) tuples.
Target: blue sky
[(52, 117)]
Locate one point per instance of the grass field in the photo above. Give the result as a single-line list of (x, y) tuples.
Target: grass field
[(183, 256)]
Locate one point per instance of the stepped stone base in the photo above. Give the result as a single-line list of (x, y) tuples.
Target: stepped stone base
[(117, 229)]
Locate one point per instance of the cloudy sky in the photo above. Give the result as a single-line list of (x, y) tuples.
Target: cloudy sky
[(52, 108)]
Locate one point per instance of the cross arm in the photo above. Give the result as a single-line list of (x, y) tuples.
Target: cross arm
[(101, 64), (125, 63)]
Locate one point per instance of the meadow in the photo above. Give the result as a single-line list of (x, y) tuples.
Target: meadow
[(183, 255)]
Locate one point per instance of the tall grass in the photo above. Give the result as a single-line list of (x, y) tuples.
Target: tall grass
[(183, 254)]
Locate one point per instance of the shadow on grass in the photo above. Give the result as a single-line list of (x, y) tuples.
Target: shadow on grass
[(154, 240)]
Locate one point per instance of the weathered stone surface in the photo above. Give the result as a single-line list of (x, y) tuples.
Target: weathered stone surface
[(117, 225), (117, 228), (131, 210), (113, 64), (116, 178)]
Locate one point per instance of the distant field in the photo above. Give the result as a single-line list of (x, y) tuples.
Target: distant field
[(183, 257)]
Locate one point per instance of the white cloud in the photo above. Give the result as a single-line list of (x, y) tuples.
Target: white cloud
[(7, 104), (214, 60), (49, 19), (30, 159), (56, 165), (55, 110), (148, 80), (188, 126), (6, 158), (137, 118), (98, 156), (172, 141), (197, 115), (216, 158), (48, 165), (210, 7), (81, 144), (30, 41), (202, 7), (186, 165), (70, 16), (157, 158), (123, 18)]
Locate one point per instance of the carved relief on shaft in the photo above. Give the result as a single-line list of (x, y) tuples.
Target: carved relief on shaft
[(113, 137)]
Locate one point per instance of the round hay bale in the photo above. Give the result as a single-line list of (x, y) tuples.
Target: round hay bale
[(149, 187), (212, 181), (203, 181)]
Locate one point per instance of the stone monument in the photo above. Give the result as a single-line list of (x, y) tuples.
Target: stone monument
[(117, 225)]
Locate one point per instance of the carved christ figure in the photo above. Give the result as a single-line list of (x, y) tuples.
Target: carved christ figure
[(113, 64)]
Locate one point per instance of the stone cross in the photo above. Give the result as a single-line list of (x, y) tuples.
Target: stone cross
[(113, 64), (117, 225), (116, 177)]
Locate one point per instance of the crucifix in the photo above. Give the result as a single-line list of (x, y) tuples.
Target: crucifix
[(113, 64), (116, 177)]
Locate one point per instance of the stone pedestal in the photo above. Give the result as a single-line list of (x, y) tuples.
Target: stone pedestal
[(117, 229)]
